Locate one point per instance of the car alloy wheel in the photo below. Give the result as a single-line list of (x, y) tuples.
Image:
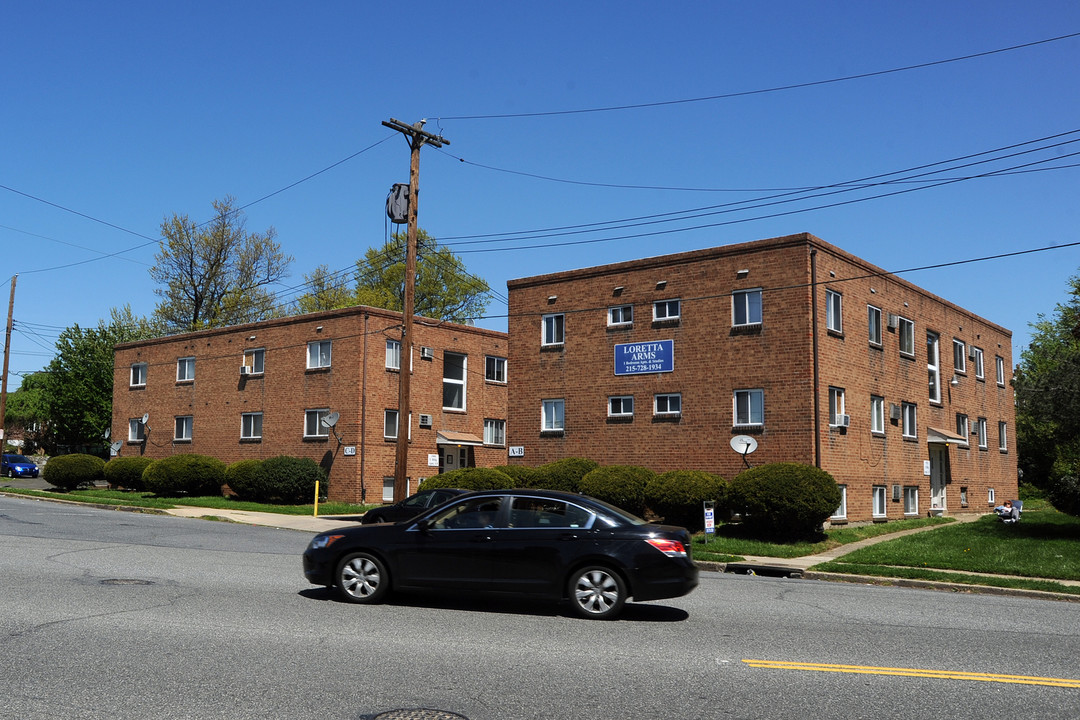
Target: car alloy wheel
[(362, 578), (597, 592)]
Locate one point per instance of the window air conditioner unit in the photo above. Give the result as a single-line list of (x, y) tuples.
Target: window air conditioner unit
[(244, 369), (894, 321), (896, 492), (427, 353), (894, 411), (843, 420), (971, 352), (425, 420)]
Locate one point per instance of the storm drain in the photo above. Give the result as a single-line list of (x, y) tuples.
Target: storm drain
[(126, 581), (415, 714)]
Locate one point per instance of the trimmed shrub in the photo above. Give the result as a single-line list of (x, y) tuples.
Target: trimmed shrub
[(1064, 494), (68, 472), (473, 478), (621, 485), (522, 475), (126, 472), (288, 480), (784, 501), (564, 474), (187, 474), (241, 477), (678, 496)]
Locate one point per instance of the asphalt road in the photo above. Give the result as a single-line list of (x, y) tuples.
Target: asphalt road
[(118, 615)]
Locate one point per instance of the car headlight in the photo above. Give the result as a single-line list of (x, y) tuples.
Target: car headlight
[(323, 541)]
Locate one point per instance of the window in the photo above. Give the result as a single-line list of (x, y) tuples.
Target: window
[(495, 369), (251, 426), (873, 320), (527, 512), (749, 407), (494, 432), (313, 426), (999, 364), (877, 414), (620, 406), (980, 430), (318, 354), (990, 496), (665, 310), (393, 354), (963, 497), (959, 356), (390, 423), (977, 358), (388, 488), (879, 501), (841, 512), (836, 405), (183, 427), (911, 501), (254, 361), (620, 315), (185, 369), (553, 416), (962, 428), (138, 375), (1003, 442), (907, 336), (667, 404), (554, 332), (746, 307), (933, 366), (136, 430), (908, 413), (834, 319), (453, 394)]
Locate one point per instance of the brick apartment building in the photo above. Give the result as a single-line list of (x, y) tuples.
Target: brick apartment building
[(819, 356), (263, 389)]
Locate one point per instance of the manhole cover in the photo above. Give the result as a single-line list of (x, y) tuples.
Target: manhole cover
[(126, 581), (418, 714)]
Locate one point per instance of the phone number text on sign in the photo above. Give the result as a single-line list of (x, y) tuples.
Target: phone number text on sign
[(645, 357)]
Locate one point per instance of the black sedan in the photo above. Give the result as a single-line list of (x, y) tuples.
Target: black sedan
[(523, 542), (411, 506)]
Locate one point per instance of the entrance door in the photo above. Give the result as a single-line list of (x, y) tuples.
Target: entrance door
[(939, 474), (452, 457)]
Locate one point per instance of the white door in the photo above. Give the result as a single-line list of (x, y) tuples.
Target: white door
[(939, 473), (452, 457)]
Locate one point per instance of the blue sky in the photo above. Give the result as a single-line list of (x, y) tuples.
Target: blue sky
[(115, 115)]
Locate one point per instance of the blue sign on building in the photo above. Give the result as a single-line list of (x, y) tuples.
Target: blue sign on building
[(640, 358)]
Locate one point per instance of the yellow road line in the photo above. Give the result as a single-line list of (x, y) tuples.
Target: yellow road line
[(914, 672)]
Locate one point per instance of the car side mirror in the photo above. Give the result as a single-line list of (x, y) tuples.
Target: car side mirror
[(423, 526)]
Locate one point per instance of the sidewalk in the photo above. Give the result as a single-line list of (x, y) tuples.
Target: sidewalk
[(304, 523)]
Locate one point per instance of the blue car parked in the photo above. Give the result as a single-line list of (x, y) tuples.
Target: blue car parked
[(14, 466)]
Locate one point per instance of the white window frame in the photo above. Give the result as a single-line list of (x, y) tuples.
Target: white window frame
[(978, 359), (620, 406), (959, 356), (136, 430), (251, 426), (553, 415), (495, 369), (1003, 436), (906, 333), (393, 354), (447, 355), (743, 410), (873, 325), (879, 500), (183, 427), (313, 418), (620, 315), (911, 500), (933, 365), (662, 310), (494, 432), (390, 424), (388, 488), (963, 427), (836, 404), (748, 304), (999, 365), (909, 417), (316, 357), (138, 374), (834, 311), (877, 414), (990, 496), (255, 361), (665, 399), (841, 511), (185, 369), (553, 329), (980, 430)]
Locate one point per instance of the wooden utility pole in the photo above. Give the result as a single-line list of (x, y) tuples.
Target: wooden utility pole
[(416, 138), (7, 355)]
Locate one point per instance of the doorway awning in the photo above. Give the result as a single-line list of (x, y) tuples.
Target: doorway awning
[(449, 437), (944, 437)]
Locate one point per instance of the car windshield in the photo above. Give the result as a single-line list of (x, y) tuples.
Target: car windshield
[(16, 458)]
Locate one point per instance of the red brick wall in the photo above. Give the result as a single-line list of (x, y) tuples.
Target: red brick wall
[(357, 385)]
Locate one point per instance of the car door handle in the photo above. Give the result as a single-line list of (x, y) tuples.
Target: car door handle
[(568, 536), (482, 538)]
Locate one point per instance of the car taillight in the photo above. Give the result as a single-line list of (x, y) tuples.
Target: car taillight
[(671, 548)]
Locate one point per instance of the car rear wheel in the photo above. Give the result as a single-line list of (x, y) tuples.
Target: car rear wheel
[(362, 578), (374, 518), (597, 592)]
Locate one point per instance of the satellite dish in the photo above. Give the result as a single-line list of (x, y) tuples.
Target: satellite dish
[(115, 447), (330, 420), (743, 444), (145, 418), (108, 431)]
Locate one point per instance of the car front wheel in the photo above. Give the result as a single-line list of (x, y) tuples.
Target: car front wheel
[(597, 592), (362, 578)]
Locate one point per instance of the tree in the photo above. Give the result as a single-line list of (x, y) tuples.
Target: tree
[(444, 288), (25, 411), (216, 274)]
